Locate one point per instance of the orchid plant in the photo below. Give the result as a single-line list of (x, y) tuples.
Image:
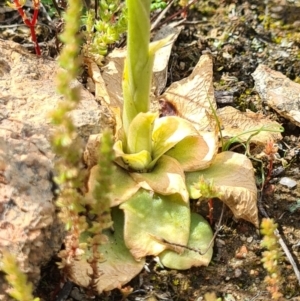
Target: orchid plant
[(160, 164)]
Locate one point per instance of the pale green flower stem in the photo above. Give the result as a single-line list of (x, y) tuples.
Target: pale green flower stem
[(139, 61)]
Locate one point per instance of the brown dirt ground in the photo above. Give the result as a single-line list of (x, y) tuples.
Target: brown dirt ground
[(238, 42)]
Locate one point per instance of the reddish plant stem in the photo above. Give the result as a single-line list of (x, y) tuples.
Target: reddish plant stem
[(31, 24), (35, 16), (182, 11), (210, 210), (270, 151), (34, 41), (270, 169)]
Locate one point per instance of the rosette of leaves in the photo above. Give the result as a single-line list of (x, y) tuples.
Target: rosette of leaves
[(154, 158), (160, 164)]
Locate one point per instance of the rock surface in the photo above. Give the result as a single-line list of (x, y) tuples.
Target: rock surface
[(28, 224), (279, 92)]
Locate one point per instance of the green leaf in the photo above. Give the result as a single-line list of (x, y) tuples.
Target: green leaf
[(195, 152), (199, 239), (138, 161), (167, 132), (117, 265), (166, 178), (151, 216), (233, 179), (139, 133), (123, 185)]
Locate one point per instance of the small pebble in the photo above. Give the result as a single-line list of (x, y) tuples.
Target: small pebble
[(250, 239), (296, 24), (277, 171), (220, 243), (237, 273), (243, 238), (253, 273), (290, 183), (229, 297), (277, 9), (241, 253), (182, 65), (76, 294)]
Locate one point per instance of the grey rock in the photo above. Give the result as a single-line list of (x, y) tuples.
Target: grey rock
[(29, 227), (290, 183)]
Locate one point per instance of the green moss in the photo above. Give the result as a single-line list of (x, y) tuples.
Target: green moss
[(242, 101), (222, 82), (294, 37), (248, 91), (206, 9), (153, 278), (277, 40), (297, 79)]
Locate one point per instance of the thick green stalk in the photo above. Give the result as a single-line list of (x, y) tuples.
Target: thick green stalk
[(139, 62)]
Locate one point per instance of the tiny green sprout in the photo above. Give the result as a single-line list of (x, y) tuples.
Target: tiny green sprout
[(294, 207), (158, 4), (206, 188), (107, 29)]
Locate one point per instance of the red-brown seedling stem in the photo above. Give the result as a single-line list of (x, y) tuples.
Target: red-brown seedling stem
[(30, 23), (270, 150), (182, 11), (210, 211), (270, 169)]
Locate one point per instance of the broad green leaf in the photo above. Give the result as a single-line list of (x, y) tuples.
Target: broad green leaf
[(167, 177), (233, 178), (167, 132), (138, 161), (199, 239), (195, 152), (151, 216), (140, 132), (117, 266), (124, 186)]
